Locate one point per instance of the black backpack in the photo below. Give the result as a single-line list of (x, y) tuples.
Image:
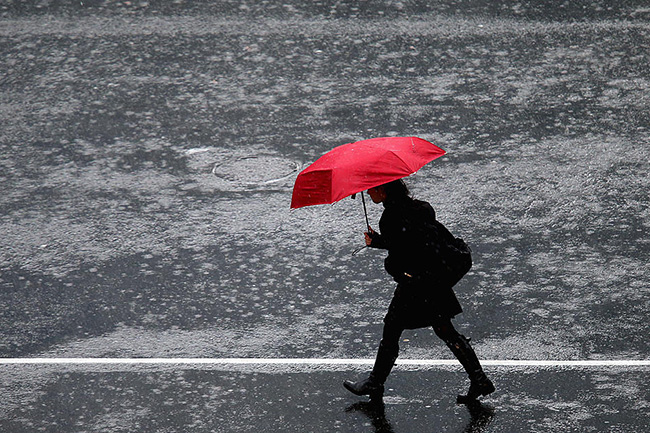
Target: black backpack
[(433, 254), (451, 255)]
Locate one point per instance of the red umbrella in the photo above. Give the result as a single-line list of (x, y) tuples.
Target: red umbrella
[(355, 167)]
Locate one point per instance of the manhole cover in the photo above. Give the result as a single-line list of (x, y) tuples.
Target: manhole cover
[(255, 170)]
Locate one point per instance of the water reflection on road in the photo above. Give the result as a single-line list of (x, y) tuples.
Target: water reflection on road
[(148, 152)]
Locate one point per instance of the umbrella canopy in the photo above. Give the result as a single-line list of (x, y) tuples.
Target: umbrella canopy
[(355, 167)]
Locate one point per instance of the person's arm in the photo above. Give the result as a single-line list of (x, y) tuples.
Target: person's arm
[(375, 240)]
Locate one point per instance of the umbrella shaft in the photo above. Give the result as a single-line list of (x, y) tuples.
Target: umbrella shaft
[(365, 211)]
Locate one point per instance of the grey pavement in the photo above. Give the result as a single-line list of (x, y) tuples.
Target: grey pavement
[(147, 155), (313, 400)]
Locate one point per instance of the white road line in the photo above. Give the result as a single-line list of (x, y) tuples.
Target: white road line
[(315, 361)]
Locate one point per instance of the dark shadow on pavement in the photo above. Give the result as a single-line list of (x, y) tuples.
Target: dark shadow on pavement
[(481, 415), (376, 411)]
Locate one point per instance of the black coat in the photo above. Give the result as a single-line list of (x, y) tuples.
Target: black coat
[(420, 296)]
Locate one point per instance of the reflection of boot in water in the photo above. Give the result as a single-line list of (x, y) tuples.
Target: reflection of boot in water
[(481, 417), (376, 411)]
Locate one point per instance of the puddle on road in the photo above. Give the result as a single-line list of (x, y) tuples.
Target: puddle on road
[(256, 170), (243, 169)]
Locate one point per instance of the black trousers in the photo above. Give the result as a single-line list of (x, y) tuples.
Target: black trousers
[(389, 347), (442, 326)]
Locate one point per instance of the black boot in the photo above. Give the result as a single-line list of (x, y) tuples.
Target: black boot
[(369, 386), (480, 384), (373, 386)]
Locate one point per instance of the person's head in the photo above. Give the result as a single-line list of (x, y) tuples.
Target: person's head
[(392, 191)]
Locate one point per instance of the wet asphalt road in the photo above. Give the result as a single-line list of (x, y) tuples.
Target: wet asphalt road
[(530, 400), (147, 157)]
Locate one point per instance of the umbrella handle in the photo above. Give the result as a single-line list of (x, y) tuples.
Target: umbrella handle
[(363, 200), (358, 250)]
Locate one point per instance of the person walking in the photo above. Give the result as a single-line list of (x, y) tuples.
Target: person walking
[(423, 297)]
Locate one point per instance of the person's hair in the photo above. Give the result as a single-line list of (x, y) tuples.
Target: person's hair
[(396, 190)]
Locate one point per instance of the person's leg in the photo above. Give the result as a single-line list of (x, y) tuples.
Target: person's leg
[(387, 352), (384, 362), (460, 347)]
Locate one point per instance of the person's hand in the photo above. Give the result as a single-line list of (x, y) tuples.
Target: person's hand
[(369, 234)]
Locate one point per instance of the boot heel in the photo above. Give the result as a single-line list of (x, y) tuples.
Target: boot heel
[(476, 389)]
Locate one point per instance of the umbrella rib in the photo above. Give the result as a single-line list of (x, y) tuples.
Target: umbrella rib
[(405, 163)]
